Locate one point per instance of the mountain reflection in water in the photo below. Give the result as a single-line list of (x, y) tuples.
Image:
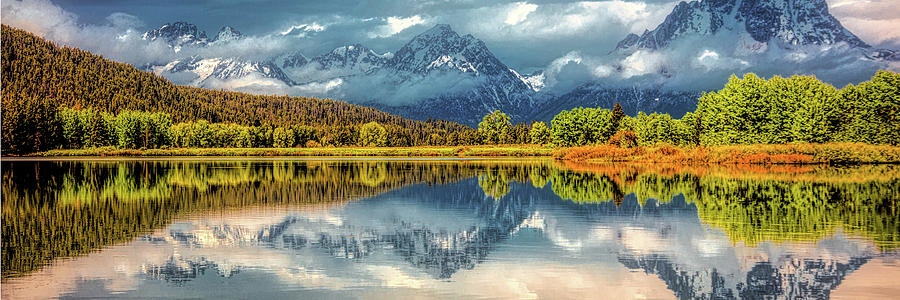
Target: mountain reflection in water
[(443, 229)]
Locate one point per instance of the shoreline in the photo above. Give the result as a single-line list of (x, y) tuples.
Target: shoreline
[(778, 154), (321, 152)]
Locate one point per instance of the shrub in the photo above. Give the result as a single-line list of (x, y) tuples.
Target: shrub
[(312, 144), (624, 139)]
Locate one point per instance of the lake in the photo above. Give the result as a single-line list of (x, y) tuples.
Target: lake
[(405, 228)]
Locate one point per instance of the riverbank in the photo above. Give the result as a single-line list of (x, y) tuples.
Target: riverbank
[(425, 151), (796, 154), (829, 153)]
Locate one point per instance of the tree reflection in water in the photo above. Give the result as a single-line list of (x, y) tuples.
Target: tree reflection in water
[(445, 216)]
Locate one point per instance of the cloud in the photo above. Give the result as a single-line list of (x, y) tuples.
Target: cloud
[(519, 12), (40, 17), (395, 25), (123, 20), (302, 29), (877, 22), (115, 38), (698, 63), (527, 36)]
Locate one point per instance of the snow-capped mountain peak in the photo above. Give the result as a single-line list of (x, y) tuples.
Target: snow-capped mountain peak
[(356, 57), (441, 48), (178, 34), (786, 23), (228, 33)]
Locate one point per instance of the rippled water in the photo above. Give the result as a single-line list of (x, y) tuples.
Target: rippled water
[(399, 229)]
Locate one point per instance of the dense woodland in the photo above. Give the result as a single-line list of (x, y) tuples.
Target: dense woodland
[(58, 97), (39, 78)]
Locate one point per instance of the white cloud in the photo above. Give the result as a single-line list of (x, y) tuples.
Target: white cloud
[(519, 12), (302, 29), (40, 17), (395, 25), (123, 20), (876, 22)]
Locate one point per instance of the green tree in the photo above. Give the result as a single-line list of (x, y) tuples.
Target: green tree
[(494, 127), (128, 130), (74, 127), (372, 134), (304, 134), (98, 130), (540, 133), (283, 137)]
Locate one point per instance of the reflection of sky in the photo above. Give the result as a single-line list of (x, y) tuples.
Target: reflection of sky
[(545, 248)]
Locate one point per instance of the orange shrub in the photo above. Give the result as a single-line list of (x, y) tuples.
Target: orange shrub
[(624, 139)]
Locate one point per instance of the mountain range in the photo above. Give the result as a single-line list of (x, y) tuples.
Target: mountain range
[(442, 74)]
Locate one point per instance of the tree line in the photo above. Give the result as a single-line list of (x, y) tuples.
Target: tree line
[(87, 128), (748, 110)]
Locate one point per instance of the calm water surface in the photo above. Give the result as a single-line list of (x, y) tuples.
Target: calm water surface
[(400, 229)]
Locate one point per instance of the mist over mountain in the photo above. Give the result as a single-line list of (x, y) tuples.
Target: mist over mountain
[(446, 74)]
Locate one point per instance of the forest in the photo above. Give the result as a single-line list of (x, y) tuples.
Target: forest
[(64, 98), (41, 80)]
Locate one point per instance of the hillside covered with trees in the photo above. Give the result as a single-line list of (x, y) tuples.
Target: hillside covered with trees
[(40, 77)]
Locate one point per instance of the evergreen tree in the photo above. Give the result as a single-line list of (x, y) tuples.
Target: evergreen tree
[(617, 115)]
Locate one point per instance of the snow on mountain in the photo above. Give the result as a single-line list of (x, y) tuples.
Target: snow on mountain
[(792, 28), (177, 35), (441, 48), (535, 80), (203, 69), (786, 23), (227, 34), (355, 57), (440, 51), (461, 78)]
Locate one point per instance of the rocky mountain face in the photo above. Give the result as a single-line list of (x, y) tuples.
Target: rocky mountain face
[(786, 23), (441, 51), (633, 100), (227, 34), (177, 35), (356, 58)]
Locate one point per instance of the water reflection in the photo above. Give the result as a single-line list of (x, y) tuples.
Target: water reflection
[(389, 229)]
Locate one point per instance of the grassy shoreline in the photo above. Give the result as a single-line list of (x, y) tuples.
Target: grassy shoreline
[(789, 154), (426, 151)]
